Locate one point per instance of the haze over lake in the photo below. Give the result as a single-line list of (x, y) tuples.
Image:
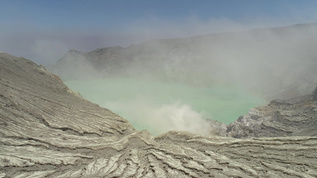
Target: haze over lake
[(162, 106)]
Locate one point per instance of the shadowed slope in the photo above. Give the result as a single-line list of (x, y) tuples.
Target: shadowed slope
[(45, 130)]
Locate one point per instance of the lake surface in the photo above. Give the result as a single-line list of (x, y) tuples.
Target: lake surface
[(159, 107)]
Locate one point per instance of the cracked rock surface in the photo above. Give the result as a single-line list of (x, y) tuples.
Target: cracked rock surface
[(46, 130), (293, 117)]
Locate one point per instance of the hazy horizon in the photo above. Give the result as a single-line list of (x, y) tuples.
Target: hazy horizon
[(270, 62), (44, 31)]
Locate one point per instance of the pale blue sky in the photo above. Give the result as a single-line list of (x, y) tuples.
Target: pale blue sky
[(43, 30)]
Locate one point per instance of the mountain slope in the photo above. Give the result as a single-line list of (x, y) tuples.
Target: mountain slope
[(48, 131), (293, 117), (277, 62)]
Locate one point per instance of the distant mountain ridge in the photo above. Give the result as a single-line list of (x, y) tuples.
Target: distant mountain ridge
[(277, 62)]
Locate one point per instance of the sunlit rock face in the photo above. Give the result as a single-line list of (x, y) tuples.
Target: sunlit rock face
[(293, 117), (48, 131)]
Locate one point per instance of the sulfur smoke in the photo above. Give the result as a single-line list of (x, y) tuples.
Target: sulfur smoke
[(271, 63)]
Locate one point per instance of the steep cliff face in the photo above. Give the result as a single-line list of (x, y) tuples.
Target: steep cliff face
[(48, 131)]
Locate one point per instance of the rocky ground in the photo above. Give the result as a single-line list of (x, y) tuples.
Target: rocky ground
[(294, 117), (46, 130)]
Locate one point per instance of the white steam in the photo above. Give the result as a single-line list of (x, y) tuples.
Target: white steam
[(144, 114)]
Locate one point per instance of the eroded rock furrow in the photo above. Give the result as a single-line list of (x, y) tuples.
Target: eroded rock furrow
[(46, 130)]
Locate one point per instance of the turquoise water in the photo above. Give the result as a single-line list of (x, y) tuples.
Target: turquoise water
[(159, 107)]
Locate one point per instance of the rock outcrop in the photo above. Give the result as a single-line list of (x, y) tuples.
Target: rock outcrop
[(48, 131), (294, 117)]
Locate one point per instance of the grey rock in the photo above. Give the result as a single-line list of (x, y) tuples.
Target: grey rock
[(48, 131), (293, 117), (315, 95)]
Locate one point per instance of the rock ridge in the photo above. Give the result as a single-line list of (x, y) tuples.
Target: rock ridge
[(48, 131), (260, 60), (293, 117)]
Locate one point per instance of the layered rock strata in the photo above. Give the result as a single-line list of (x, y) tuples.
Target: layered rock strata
[(48, 131), (294, 117)]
